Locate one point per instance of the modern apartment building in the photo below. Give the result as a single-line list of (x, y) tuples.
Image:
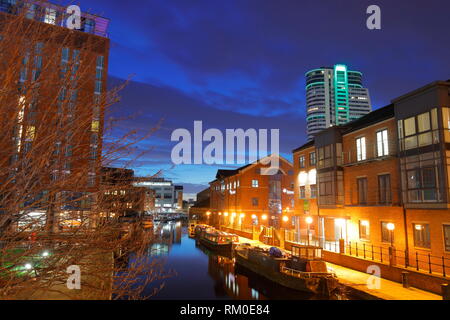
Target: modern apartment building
[(334, 96), (246, 197), (168, 196), (383, 180), (58, 89)]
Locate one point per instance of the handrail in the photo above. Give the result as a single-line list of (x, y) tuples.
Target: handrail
[(299, 274)]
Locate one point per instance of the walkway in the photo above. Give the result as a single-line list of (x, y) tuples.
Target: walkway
[(389, 290)]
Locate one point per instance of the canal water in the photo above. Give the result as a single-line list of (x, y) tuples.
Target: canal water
[(199, 274)]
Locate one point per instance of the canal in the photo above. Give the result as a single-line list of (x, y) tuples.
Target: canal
[(199, 274)]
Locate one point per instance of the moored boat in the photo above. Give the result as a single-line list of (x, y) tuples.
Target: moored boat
[(303, 270), (218, 240)]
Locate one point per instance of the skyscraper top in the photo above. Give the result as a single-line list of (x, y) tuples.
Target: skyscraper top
[(334, 96)]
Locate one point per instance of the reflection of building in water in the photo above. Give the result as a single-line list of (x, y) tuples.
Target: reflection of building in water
[(166, 235), (221, 269)]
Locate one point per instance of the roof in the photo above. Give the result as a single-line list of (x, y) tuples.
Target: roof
[(306, 145), (373, 117), (202, 204)]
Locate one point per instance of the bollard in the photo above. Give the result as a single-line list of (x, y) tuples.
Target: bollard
[(341, 246), (445, 291), (405, 279)]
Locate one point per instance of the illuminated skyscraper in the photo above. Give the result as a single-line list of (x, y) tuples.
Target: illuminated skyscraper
[(334, 96)]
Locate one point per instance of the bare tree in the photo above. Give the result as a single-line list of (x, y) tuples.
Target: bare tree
[(52, 216)]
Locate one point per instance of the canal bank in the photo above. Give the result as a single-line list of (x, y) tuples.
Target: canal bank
[(356, 282)]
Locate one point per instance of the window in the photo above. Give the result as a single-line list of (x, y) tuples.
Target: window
[(312, 159), (362, 190), (447, 236), (361, 149), (50, 16), (364, 230), (421, 235), (421, 183), (313, 191), (255, 184), (302, 161), (302, 192), (386, 234), (384, 189), (382, 143), (255, 202)]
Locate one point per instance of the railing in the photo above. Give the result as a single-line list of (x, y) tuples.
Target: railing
[(425, 262), (301, 274), (416, 260)]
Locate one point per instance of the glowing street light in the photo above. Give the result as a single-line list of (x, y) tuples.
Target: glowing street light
[(285, 218), (264, 217), (28, 266), (390, 226)]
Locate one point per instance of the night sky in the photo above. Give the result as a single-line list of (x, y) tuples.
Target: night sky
[(241, 64)]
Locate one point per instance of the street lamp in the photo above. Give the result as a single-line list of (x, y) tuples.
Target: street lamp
[(309, 220), (341, 223), (390, 226)]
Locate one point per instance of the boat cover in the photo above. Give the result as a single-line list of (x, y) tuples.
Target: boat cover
[(275, 252)]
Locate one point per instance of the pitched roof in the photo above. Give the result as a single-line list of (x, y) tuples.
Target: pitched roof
[(306, 145)]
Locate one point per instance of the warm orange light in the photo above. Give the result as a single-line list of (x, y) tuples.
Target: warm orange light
[(253, 216), (309, 220), (226, 214), (264, 217), (285, 218), (220, 213), (208, 213), (242, 215), (365, 223), (339, 222), (233, 214), (418, 227), (390, 226)]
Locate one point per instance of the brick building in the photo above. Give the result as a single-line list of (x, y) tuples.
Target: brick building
[(383, 179), (245, 197), (53, 105)]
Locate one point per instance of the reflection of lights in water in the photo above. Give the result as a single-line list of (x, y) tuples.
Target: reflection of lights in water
[(255, 294)]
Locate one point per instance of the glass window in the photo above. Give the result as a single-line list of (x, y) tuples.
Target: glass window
[(384, 189), (364, 230), (255, 183), (362, 190), (447, 236), (312, 159), (421, 235), (255, 202), (361, 148), (313, 191), (302, 161), (302, 192), (423, 122), (386, 234), (382, 143), (50, 16), (410, 126)]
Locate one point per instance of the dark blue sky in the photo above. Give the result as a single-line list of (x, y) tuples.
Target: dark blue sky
[(241, 64)]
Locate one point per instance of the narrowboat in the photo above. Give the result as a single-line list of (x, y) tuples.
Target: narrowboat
[(303, 270), (218, 240)]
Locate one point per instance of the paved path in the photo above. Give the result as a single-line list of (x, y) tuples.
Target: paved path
[(389, 290)]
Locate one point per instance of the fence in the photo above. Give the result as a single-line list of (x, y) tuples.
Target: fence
[(419, 261)]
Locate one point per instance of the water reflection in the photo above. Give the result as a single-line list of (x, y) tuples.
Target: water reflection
[(203, 274)]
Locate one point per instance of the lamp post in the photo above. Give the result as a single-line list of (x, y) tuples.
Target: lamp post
[(390, 226), (308, 220), (340, 223)]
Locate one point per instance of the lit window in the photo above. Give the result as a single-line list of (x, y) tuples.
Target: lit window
[(302, 193), (255, 183), (313, 188), (382, 143), (50, 16), (302, 161), (421, 235), (95, 126), (361, 148), (364, 230)]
